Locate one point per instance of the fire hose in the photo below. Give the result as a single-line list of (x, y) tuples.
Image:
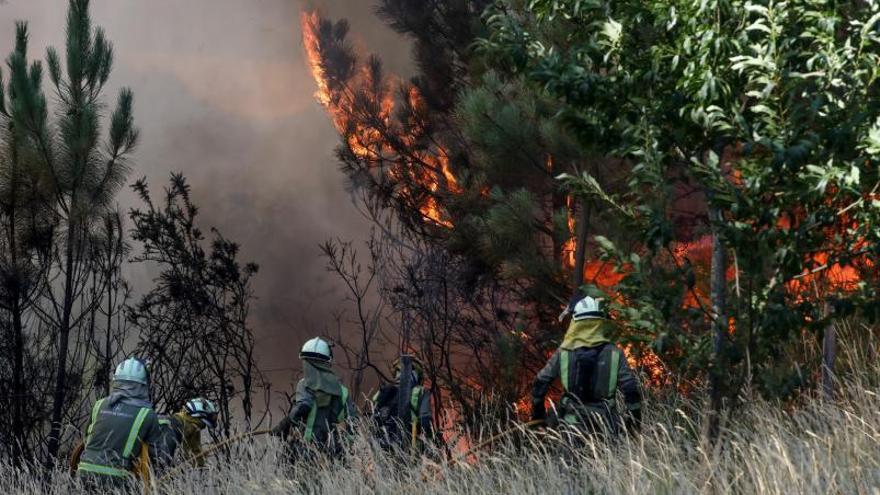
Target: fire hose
[(217, 446), (458, 459), (480, 446)]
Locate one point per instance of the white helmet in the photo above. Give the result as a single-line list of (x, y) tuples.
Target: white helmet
[(587, 308), (132, 370), (202, 409), (316, 348)]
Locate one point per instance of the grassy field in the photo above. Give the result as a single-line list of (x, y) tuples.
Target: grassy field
[(813, 447), (818, 448)]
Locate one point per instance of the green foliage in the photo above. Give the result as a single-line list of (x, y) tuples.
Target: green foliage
[(767, 111), (515, 144), (74, 168)]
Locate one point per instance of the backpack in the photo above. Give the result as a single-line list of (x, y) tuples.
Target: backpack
[(589, 375)]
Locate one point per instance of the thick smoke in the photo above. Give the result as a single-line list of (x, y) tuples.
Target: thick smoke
[(222, 94)]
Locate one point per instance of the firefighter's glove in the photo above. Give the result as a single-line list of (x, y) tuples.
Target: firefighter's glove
[(552, 420), (280, 430), (538, 411)]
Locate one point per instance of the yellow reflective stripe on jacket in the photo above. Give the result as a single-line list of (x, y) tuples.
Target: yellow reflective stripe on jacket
[(95, 410), (310, 422), (615, 366), (414, 397), (135, 430), (414, 400), (563, 366), (105, 470), (343, 413)]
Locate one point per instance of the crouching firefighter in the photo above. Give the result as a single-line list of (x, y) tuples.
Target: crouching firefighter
[(321, 402), (592, 369), (184, 428), (122, 427), (413, 428)]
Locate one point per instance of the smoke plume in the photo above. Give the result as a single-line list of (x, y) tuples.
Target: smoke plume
[(223, 94)]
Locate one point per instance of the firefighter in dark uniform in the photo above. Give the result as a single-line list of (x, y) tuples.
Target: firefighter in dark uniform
[(417, 426), (592, 370), (122, 426), (321, 401), (184, 428)]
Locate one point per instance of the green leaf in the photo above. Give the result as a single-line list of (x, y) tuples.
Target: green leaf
[(605, 244), (852, 178)]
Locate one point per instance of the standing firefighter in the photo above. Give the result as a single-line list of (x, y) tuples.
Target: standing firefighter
[(592, 370), (393, 430), (321, 400), (122, 425), (185, 428)]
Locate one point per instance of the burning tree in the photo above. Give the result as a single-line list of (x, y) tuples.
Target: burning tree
[(719, 166), (466, 163), (771, 112)]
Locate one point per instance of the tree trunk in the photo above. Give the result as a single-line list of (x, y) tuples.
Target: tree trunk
[(404, 389), (247, 378), (557, 203), (19, 392), (580, 255), (59, 394), (105, 369), (224, 403), (718, 288)]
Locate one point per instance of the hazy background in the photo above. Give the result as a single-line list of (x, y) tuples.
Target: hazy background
[(223, 94)]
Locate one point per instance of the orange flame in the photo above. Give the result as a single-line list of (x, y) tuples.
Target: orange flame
[(309, 23), (570, 247), (429, 167)]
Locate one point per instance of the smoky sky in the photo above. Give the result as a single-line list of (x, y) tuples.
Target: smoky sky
[(223, 95)]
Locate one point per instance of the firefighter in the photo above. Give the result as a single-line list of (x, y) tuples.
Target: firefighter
[(391, 429), (122, 427), (321, 401), (185, 428), (592, 369)]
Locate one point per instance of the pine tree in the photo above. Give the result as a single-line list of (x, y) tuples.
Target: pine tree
[(24, 248), (461, 157), (83, 174)]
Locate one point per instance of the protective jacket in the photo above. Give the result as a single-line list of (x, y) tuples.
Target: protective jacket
[(321, 402), (179, 429), (591, 370), (391, 428), (120, 425)]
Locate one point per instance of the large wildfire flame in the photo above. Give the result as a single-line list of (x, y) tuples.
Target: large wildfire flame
[(429, 167)]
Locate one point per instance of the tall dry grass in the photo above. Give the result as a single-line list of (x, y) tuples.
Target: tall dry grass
[(816, 447)]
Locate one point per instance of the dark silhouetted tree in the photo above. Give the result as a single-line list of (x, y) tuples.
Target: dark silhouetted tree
[(193, 324)]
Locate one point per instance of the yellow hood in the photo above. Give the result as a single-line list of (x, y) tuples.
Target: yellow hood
[(188, 420), (588, 333)]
